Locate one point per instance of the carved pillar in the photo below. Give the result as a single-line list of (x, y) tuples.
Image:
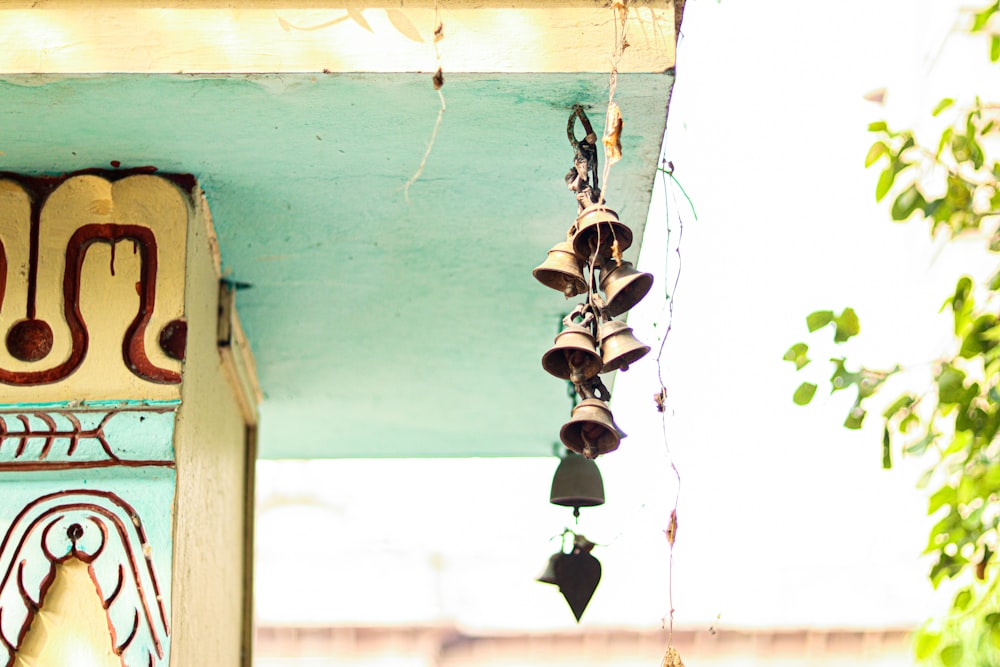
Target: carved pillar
[(126, 435)]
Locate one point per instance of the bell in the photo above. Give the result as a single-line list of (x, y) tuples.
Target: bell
[(562, 271), (623, 286), (577, 483), (577, 574), (548, 575), (574, 356), (591, 430), (619, 347), (597, 228)]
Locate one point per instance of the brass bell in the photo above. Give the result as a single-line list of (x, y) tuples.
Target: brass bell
[(548, 575), (562, 270), (619, 347), (623, 286), (597, 228), (577, 483), (591, 430), (574, 356)]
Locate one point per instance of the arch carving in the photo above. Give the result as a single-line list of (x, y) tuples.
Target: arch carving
[(102, 530)]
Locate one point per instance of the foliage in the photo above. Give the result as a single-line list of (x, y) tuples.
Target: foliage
[(954, 184)]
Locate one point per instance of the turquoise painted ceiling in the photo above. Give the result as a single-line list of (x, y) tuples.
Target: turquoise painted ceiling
[(381, 326)]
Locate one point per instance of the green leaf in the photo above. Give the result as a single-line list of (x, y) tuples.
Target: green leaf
[(951, 655), (994, 48), (921, 446), (942, 105), (909, 142), (959, 442), (855, 418), (878, 126), (943, 496), (994, 634), (951, 385), (886, 449), (877, 150), (962, 290), (908, 422), (847, 325), (980, 337), (992, 335), (960, 147), (906, 203), (982, 18), (962, 600), (842, 378), (797, 355), (804, 393), (818, 319), (946, 567), (959, 194), (900, 403), (926, 644), (884, 184), (937, 210), (976, 154), (945, 140), (962, 303)]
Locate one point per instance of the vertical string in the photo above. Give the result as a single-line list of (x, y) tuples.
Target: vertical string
[(661, 396), (438, 81), (612, 120)]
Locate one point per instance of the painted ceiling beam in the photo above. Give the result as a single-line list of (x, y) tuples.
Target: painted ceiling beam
[(517, 36)]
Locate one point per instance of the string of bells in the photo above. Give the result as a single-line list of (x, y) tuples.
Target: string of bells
[(591, 342)]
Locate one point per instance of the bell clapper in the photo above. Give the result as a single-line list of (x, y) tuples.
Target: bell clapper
[(588, 433)]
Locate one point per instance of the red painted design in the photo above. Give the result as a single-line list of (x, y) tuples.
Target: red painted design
[(70, 437), (31, 339), (173, 339), (104, 531), (52, 433)]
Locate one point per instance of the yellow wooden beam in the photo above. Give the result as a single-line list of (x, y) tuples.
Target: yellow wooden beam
[(516, 36)]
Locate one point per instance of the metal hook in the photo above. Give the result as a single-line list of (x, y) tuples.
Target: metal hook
[(584, 312), (584, 158)]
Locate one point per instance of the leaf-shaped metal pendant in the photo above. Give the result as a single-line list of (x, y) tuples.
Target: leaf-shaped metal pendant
[(577, 575)]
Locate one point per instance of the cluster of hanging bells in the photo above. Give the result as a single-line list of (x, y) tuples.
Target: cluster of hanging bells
[(592, 342)]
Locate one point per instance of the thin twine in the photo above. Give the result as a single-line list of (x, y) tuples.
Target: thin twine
[(438, 83), (662, 395), (621, 24)]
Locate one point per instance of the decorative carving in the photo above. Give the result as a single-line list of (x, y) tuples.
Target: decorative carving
[(62, 440), (173, 339), (51, 256), (27, 339), (30, 340), (104, 531)]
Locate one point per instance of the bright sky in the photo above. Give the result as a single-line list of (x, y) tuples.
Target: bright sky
[(786, 519)]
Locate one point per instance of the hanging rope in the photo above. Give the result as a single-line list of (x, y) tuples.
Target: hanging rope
[(438, 81), (661, 397)]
